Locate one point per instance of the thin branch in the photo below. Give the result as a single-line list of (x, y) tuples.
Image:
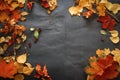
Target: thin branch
[(112, 15)]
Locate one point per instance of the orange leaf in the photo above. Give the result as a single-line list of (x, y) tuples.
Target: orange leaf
[(7, 70)]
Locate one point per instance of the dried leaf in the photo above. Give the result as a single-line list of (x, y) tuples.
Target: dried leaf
[(32, 28), (52, 4), (21, 1), (30, 5), (114, 33), (75, 10), (103, 32), (7, 70), (27, 70), (22, 58), (14, 5), (19, 77), (112, 7), (115, 39), (24, 13), (45, 4), (22, 18), (107, 22), (101, 9)]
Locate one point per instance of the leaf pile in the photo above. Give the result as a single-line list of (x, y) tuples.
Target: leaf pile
[(105, 66), (93, 6), (12, 67), (12, 37)]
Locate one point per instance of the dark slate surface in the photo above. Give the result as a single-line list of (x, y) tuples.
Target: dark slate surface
[(66, 42)]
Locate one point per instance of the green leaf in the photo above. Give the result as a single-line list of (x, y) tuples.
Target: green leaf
[(36, 34)]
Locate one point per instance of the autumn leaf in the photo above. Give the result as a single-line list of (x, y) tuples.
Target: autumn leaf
[(7, 70), (107, 22), (30, 5), (16, 15), (101, 9), (4, 15), (112, 7), (22, 58), (45, 4), (42, 74)]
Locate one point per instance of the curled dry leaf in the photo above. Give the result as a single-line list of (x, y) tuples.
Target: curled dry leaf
[(114, 33), (115, 39), (113, 7), (22, 58)]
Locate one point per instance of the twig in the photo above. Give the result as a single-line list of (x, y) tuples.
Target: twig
[(112, 15)]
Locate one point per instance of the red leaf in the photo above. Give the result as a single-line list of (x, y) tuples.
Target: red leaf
[(30, 5), (45, 4), (107, 22), (105, 62)]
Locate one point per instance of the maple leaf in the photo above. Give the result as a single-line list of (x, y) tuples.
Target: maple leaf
[(105, 62), (7, 70), (42, 74), (107, 22)]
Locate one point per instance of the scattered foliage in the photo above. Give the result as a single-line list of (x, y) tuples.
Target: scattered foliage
[(105, 66)]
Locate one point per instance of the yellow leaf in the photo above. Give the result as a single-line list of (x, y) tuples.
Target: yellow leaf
[(75, 10), (14, 5), (112, 7), (103, 32), (21, 1), (27, 70), (107, 51), (115, 39), (24, 13), (22, 58), (114, 33)]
